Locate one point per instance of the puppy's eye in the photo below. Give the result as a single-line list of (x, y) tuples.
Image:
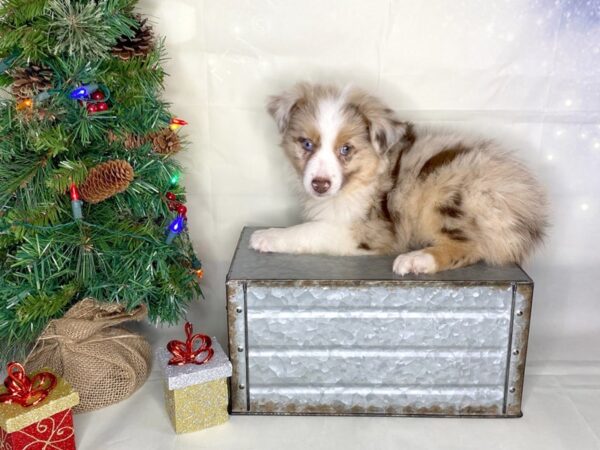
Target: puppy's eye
[(344, 150), (307, 144)]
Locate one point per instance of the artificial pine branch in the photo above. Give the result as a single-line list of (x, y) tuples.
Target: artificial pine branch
[(117, 252)]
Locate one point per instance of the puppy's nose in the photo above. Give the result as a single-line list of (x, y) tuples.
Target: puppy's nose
[(321, 185)]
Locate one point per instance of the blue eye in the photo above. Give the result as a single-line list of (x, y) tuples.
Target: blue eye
[(344, 150), (307, 144)]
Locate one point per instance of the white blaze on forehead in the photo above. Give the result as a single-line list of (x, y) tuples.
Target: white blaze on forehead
[(325, 164), (330, 119)]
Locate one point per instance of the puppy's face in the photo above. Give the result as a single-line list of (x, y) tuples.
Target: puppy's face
[(334, 138)]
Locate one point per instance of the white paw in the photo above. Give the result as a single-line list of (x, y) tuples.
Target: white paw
[(414, 262), (269, 240)]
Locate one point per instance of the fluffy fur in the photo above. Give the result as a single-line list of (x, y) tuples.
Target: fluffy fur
[(373, 184)]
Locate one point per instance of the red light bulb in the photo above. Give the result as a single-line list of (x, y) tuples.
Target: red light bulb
[(92, 108), (74, 192), (182, 210), (75, 202), (102, 106), (170, 196)]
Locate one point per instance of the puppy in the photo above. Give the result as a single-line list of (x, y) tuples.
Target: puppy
[(373, 184)]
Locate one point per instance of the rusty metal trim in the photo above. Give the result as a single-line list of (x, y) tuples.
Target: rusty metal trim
[(520, 337), (369, 414), (237, 338), (509, 348), (368, 283)]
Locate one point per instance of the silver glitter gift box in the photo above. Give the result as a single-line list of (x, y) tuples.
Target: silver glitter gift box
[(313, 334), (196, 395)]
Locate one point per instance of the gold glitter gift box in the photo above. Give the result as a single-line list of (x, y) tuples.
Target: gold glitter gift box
[(48, 424), (196, 396)]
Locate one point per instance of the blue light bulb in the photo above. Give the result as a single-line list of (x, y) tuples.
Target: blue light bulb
[(177, 225), (175, 228), (83, 92)]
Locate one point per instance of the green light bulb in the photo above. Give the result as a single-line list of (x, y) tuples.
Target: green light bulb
[(175, 178)]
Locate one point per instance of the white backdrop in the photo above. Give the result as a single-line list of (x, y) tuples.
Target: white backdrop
[(524, 71)]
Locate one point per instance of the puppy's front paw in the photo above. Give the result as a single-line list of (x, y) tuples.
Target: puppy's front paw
[(269, 240), (415, 262)]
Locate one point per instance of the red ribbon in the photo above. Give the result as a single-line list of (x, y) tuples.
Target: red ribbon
[(24, 390), (184, 353)]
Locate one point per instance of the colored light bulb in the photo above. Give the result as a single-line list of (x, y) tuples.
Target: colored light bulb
[(27, 103), (170, 196), (177, 225), (175, 178), (75, 202), (176, 123), (74, 192), (175, 228), (83, 92)]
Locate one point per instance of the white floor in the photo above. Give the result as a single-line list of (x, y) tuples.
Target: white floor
[(561, 407)]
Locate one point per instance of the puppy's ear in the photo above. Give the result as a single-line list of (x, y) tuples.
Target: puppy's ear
[(282, 106), (385, 130)]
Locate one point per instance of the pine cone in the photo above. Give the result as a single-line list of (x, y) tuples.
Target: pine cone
[(165, 142), (105, 180), (132, 141), (129, 140), (30, 81), (140, 44), (112, 137)]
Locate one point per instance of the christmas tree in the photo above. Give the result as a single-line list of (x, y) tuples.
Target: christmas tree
[(90, 204)]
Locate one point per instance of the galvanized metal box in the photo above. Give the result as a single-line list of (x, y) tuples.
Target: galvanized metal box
[(313, 334)]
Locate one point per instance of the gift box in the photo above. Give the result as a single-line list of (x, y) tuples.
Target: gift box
[(47, 421), (196, 391)]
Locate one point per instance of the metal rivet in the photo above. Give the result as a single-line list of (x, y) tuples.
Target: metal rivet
[(240, 349), (241, 386), (238, 309), (519, 313), (512, 390), (516, 352)]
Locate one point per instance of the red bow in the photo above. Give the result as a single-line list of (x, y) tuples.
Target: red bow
[(24, 390), (184, 353)]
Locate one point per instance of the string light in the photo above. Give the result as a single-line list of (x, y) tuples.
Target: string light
[(175, 227), (176, 123), (75, 202), (25, 104), (83, 92), (93, 96), (197, 267), (175, 178), (42, 96)]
